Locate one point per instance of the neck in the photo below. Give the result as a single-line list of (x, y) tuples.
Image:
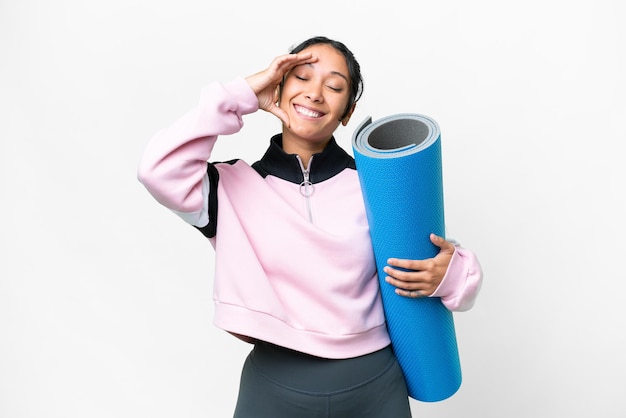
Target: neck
[(303, 148)]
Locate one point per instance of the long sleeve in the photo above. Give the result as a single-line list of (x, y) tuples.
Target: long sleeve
[(461, 284), (173, 167)]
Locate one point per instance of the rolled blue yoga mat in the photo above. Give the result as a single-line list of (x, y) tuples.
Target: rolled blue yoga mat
[(398, 160)]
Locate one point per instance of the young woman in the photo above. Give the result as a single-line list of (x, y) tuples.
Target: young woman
[(294, 272)]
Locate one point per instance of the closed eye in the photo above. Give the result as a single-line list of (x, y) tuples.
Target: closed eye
[(332, 87)]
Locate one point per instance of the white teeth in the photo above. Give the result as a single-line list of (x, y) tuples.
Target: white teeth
[(307, 112)]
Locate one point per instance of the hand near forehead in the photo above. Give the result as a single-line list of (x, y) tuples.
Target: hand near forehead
[(265, 84)]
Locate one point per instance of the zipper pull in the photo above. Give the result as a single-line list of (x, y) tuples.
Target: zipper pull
[(306, 187)]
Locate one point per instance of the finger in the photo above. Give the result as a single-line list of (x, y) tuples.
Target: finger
[(276, 94), (441, 243), (404, 263), (407, 268), (305, 57), (421, 280), (402, 276), (286, 62), (279, 113), (414, 294), (397, 283)]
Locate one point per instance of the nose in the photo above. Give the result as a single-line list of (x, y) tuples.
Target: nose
[(314, 93)]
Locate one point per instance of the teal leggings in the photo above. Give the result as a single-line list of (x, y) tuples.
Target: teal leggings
[(281, 383)]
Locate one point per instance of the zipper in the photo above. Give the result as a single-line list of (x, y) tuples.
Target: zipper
[(306, 187)]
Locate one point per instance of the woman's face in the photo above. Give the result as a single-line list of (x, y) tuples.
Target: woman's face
[(315, 96)]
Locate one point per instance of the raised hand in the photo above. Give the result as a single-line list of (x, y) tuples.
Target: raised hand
[(266, 83)]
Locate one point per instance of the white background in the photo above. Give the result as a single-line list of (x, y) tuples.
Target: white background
[(105, 296)]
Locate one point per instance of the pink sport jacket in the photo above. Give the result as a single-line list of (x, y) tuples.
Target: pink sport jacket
[(293, 265)]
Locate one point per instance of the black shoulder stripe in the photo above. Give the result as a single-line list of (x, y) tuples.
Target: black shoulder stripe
[(210, 229)]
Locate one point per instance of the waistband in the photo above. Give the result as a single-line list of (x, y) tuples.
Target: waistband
[(305, 372)]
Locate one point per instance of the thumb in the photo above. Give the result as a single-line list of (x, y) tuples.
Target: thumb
[(279, 113), (445, 246)]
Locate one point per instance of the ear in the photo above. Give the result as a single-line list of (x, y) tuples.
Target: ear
[(346, 118)]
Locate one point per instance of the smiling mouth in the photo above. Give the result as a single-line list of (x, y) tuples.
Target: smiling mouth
[(307, 112)]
